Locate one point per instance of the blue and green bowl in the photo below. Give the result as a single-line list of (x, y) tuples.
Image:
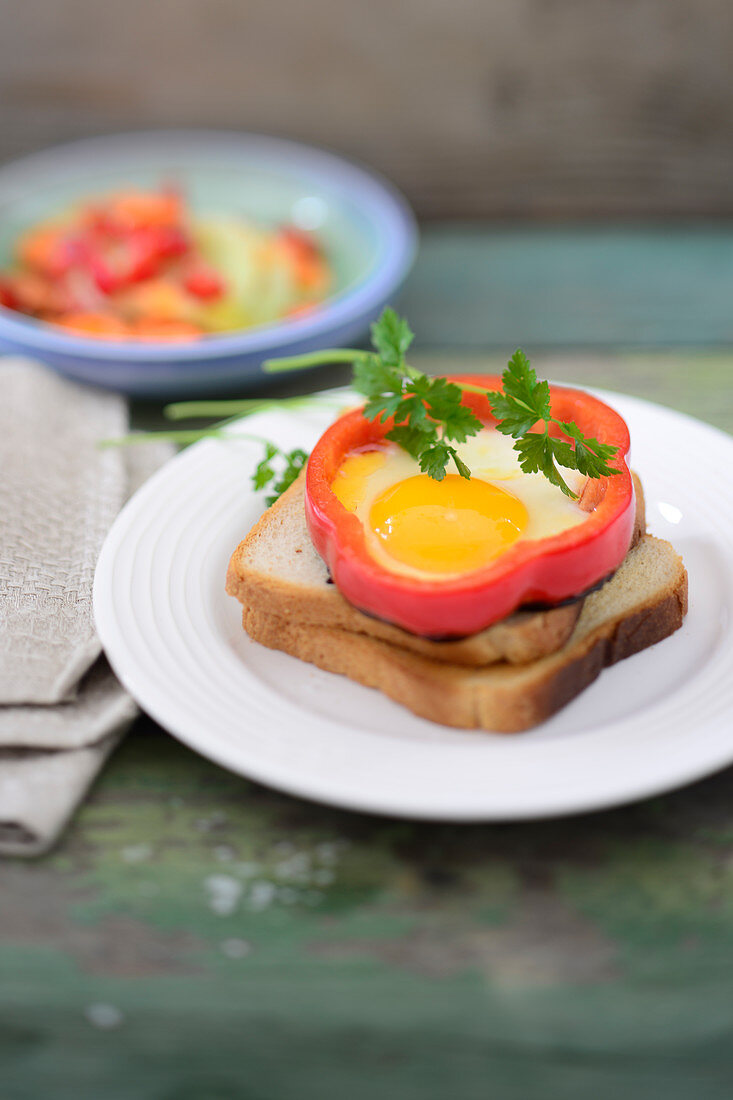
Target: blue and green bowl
[(364, 224)]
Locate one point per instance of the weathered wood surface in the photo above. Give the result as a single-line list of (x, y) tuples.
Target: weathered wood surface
[(198, 937), (515, 107), (478, 286)]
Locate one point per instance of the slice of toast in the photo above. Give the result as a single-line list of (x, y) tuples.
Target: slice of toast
[(642, 603), (276, 571)]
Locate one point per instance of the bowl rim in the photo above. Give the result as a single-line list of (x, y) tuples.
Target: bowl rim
[(388, 208)]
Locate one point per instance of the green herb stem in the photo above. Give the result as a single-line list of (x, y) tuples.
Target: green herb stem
[(188, 410), (185, 436), (315, 359), (470, 388)]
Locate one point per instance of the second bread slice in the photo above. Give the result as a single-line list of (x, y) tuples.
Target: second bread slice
[(642, 603)]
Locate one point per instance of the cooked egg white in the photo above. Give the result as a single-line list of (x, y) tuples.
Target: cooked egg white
[(417, 526)]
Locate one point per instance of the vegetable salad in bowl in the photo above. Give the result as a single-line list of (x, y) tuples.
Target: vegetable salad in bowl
[(140, 264), (263, 247)]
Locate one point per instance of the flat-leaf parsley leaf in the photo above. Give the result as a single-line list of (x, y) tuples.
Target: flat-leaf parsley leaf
[(525, 402), (281, 474)]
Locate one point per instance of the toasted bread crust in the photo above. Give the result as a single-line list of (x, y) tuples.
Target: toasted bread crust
[(299, 591), (643, 603)]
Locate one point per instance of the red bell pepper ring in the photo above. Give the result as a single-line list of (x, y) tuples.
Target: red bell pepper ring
[(546, 571)]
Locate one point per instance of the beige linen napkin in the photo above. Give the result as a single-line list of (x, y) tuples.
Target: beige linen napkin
[(61, 709)]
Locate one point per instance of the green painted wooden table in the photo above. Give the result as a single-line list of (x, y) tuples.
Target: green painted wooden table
[(199, 937)]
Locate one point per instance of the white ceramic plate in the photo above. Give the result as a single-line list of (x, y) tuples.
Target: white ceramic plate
[(651, 723)]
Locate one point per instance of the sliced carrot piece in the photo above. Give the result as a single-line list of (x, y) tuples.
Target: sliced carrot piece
[(312, 274), (162, 299), (101, 325), (44, 250), (35, 293), (150, 328), (138, 209), (309, 268)]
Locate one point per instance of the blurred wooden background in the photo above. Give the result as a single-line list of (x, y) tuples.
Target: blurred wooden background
[(519, 108)]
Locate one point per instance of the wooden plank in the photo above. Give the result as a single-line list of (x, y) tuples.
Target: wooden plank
[(482, 287), (518, 108), (198, 936)]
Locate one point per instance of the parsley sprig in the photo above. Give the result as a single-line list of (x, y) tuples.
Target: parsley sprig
[(278, 469), (427, 412), (429, 418), (525, 402)]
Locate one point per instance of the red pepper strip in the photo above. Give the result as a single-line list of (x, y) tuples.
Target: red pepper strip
[(542, 570), (8, 297), (204, 282), (105, 279)]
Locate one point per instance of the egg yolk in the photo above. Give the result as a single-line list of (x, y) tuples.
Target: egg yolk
[(351, 479), (448, 526)]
